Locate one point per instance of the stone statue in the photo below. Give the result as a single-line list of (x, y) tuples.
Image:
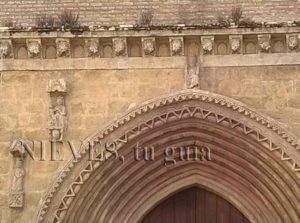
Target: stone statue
[(120, 48), (92, 46), (192, 71), (17, 186), (293, 43), (149, 46), (176, 45), (235, 45), (264, 43), (57, 120), (63, 47), (207, 45)]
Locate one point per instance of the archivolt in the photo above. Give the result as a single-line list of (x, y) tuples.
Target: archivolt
[(255, 163)]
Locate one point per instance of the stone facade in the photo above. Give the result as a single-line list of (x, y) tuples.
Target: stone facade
[(165, 12), (60, 86)]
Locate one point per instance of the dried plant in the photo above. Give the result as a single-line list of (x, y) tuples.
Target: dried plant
[(236, 14), (223, 21), (44, 21), (68, 19), (248, 22), (146, 17)]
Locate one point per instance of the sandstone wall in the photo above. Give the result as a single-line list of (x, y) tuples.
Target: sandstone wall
[(107, 12), (96, 97)]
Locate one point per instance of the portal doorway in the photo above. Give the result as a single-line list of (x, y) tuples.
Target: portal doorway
[(195, 205)]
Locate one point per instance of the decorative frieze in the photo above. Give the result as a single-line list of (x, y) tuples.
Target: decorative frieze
[(176, 46), (148, 44), (34, 47), (207, 43), (292, 41), (120, 47), (63, 47), (264, 43), (17, 193), (92, 47), (57, 122), (6, 49), (236, 43)]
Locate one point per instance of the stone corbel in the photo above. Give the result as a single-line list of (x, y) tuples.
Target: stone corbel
[(34, 48), (264, 43), (148, 44), (207, 43), (57, 122), (176, 46), (92, 47), (292, 42), (6, 49), (17, 192), (236, 43), (120, 47), (63, 47)]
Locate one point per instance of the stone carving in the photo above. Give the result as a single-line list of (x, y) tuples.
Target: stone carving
[(236, 44), (120, 46), (176, 46), (264, 43), (16, 196), (92, 47), (192, 73), (34, 48), (292, 43), (5, 49), (63, 47), (213, 101), (57, 122), (148, 46), (207, 44)]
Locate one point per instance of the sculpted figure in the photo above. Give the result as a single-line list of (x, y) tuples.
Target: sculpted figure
[(17, 187), (176, 46), (192, 71), (207, 46), (293, 42), (120, 47), (235, 45), (92, 47), (5, 50), (63, 48), (34, 49), (57, 120), (148, 46)]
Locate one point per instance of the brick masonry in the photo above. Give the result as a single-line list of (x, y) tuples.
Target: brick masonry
[(105, 12)]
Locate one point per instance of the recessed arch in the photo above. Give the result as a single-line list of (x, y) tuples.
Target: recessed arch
[(255, 164)]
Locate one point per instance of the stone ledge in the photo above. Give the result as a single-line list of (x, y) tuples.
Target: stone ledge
[(177, 62)]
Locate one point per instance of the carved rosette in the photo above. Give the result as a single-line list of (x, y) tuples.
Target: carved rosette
[(207, 44), (148, 46), (6, 49), (57, 122), (292, 41), (34, 47), (92, 47), (264, 43), (176, 46), (17, 150), (63, 47), (236, 43), (120, 47)]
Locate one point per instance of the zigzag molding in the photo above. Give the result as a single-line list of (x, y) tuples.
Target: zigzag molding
[(184, 112)]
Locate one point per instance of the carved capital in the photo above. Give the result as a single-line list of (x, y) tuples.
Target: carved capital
[(264, 43), (120, 46), (176, 46), (63, 47), (6, 49), (292, 42), (92, 47), (57, 85), (207, 43), (148, 46), (236, 43), (34, 47)]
